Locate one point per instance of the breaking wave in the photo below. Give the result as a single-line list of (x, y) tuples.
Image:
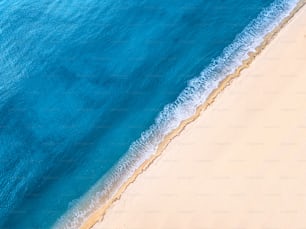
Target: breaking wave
[(195, 94)]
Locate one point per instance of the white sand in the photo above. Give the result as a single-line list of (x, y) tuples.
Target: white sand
[(242, 163)]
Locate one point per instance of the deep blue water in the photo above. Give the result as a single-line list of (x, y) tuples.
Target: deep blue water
[(81, 80)]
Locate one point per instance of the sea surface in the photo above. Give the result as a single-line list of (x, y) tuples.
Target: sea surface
[(89, 88)]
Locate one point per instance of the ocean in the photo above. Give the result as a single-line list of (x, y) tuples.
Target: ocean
[(88, 89)]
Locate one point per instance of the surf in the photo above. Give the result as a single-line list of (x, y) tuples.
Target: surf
[(173, 114)]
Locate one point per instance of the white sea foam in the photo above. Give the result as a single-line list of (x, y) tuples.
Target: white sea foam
[(183, 107)]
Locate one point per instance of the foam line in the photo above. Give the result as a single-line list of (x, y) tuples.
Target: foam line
[(196, 97)]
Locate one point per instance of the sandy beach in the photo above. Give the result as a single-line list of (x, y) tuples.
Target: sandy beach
[(242, 162)]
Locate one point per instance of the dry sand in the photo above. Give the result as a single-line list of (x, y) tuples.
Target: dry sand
[(242, 163)]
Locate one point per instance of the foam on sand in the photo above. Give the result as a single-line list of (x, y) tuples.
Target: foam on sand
[(200, 92), (241, 164)]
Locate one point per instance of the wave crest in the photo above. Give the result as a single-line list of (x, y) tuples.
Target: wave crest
[(195, 94)]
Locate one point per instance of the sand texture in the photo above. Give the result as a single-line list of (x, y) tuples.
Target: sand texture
[(242, 162)]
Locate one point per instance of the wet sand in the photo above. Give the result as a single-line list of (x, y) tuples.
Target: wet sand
[(242, 162)]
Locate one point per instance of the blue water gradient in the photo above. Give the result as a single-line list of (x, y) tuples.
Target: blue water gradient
[(81, 80)]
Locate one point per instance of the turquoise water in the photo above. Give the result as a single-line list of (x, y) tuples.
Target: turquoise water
[(84, 88)]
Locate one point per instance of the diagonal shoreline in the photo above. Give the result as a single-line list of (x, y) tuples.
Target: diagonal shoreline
[(100, 212)]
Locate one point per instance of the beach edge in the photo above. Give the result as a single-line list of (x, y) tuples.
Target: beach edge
[(98, 214)]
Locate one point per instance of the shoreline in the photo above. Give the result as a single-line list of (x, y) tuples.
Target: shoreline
[(98, 214)]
